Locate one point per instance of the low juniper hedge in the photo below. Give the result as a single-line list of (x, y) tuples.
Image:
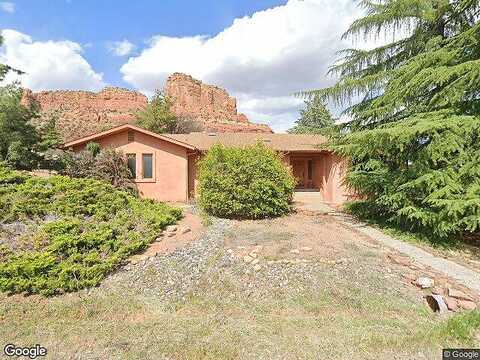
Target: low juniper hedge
[(80, 230), (247, 183)]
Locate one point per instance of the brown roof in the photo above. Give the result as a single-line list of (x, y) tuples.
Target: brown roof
[(204, 141), (121, 128), (280, 142)]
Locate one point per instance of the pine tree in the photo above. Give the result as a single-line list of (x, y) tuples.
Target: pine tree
[(436, 27), (314, 118), (413, 142)]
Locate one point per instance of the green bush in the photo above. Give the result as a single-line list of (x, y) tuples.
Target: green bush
[(250, 182), (82, 230)]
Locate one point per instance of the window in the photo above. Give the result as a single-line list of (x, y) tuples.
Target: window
[(147, 163), (132, 164), (131, 136), (310, 169)]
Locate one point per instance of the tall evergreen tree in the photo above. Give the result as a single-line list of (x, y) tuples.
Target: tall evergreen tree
[(423, 26), (314, 118), (413, 142)]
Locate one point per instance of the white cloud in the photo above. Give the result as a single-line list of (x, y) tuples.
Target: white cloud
[(48, 65), (121, 48), (262, 59), (8, 7)]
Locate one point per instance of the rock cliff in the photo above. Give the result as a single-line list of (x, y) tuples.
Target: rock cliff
[(81, 113), (209, 104)]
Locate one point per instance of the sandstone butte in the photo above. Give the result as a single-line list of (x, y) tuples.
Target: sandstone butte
[(81, 113)]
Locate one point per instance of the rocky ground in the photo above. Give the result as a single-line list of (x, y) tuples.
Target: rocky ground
[(298, 287)]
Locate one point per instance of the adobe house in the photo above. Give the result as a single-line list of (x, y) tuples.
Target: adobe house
[(165, 165)]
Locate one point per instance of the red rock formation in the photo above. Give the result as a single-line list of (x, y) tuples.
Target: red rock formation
[(81, 113), (209, 104)]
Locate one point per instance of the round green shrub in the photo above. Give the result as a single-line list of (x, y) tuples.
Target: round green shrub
[(248, 183)]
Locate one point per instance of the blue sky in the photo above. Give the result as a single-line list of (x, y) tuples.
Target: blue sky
[(260, 51)]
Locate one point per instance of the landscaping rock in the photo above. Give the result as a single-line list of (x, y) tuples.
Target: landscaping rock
[(401, 260), (451, 303), (171, 228), (437, 303), (424, 282), (409, 277), (185, 230), (457, 294), (437, 290), (306, 248), (467, 305)]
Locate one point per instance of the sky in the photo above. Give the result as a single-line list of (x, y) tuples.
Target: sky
[(261, 51)]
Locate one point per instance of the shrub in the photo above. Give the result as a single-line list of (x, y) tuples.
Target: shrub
[(91, 229), (250, 182), (108, 165)]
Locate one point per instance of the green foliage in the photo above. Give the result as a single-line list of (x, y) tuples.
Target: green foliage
[(314, 118), (48, 133), (95, 228), (422, 173), (18, 138), (108, 165), (93, 148), (412, 141), (250, 182), (157, 116), (440, 36)]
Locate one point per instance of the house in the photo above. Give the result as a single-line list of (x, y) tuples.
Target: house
[(165, 165)]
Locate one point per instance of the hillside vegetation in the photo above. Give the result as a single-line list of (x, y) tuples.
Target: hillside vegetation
[(60, 234)]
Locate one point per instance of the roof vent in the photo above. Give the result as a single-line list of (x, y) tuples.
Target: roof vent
[(267, 140), (212, 134)]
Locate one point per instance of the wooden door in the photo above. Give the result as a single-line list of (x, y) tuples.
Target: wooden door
[(299, 172)]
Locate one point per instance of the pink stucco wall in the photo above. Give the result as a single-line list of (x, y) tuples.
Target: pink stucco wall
[(328, 174), (175, 168), (170, 170)]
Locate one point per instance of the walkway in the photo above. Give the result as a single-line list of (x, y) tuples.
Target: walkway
[(461, 274), (310, 201)]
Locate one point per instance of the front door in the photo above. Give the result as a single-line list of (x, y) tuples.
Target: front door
[(299, 172)]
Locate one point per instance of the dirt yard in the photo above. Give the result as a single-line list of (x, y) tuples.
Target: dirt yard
[(298, 287)]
